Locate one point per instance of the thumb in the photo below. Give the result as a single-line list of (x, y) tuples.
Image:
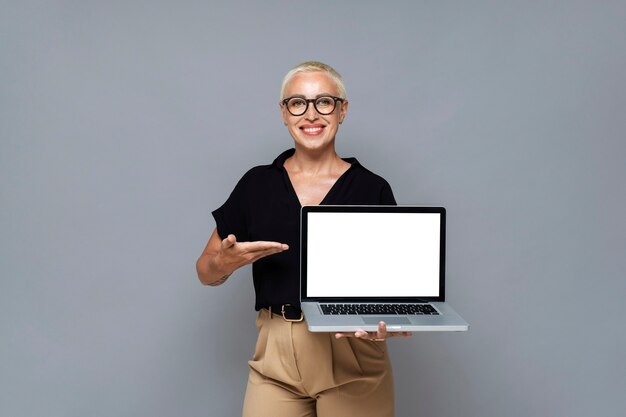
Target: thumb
[(229, 241)]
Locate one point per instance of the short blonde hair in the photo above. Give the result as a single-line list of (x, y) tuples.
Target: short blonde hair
[(313, 66)]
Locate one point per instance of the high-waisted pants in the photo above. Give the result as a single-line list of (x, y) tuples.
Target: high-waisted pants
[(297, 373)]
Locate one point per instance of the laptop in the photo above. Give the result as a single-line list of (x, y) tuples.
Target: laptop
[(364, 264)]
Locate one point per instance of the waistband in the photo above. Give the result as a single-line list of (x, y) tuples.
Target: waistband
[(288, 312)]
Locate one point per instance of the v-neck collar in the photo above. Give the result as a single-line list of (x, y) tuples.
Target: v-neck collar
[(279, 163)]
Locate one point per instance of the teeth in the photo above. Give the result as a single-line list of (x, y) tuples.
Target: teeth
[(312, 129)]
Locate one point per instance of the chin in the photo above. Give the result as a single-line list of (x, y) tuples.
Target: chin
[(314, 145)]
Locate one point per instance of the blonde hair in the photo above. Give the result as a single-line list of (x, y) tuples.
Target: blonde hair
[(313, 66)]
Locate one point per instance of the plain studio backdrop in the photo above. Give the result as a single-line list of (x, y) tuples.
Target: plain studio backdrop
[(124, 124)]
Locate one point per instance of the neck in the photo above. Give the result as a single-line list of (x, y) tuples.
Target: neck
[(311, 162)]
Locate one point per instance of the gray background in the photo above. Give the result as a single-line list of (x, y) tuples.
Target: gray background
[(123, 124)]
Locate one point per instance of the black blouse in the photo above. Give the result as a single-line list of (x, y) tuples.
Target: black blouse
[(264, 206)]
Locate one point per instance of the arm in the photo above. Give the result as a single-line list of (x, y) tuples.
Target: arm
[(221, 258), (209, 270)]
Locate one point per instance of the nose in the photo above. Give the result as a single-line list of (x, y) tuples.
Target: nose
[(311, 112)]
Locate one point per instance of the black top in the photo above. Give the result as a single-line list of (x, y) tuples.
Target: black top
[(264, 206)]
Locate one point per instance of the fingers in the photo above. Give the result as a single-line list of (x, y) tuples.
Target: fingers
[(380, 335), (261, 246), (238, 254), (359, 334), (229, 241), (253, 251), (250, 247)]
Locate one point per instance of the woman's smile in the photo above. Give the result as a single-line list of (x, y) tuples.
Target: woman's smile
[(312, 129)]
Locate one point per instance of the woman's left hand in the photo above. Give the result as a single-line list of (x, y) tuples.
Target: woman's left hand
[(380, 335)]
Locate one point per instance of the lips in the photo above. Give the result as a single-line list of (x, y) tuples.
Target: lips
[(312, 130)]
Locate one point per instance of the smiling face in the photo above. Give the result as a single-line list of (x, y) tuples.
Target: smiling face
[(313, 131)]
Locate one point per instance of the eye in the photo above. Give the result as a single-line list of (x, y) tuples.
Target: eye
[(297, 103), (325, 101)]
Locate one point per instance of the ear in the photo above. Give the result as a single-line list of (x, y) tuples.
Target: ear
[(343, 110), (283, 113)]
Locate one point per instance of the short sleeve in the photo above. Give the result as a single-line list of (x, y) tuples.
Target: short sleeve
[(386, 195), (232, 216)]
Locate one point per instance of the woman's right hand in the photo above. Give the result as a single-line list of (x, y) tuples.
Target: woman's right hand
[(221, 258), (233, 255)]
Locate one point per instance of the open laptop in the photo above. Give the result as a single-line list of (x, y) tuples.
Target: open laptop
[(365, 264)]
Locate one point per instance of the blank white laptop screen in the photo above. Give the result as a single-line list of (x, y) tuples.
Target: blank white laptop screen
[(373, 254)]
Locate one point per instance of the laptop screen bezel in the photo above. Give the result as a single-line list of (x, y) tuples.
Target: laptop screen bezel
[(370, 209)]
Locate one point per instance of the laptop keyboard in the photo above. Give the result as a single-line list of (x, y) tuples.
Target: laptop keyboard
[(361, 309)]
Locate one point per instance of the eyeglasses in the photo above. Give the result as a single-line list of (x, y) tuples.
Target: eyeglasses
[(324, 105)]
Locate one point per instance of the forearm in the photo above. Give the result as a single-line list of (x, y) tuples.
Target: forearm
[(209, 270)]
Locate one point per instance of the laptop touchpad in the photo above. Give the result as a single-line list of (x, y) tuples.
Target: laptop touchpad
[(386, 319)]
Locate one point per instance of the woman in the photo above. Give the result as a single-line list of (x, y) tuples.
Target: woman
[(295, 372)]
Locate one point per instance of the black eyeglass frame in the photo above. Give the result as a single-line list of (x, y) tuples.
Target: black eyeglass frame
[(314, 101)]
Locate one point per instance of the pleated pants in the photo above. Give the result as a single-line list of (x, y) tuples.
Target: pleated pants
[(298, 373)]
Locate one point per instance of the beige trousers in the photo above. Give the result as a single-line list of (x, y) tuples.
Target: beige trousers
[(297, 373)]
